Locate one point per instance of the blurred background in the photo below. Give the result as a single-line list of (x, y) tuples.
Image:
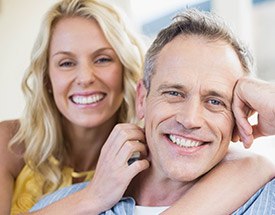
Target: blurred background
[(252, 20)]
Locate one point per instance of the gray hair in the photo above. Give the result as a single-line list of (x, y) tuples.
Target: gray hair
[(199, 23)]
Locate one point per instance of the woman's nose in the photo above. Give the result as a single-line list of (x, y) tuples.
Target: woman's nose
[(85, 75)]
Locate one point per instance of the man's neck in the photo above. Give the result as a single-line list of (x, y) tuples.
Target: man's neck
[(149, 189)]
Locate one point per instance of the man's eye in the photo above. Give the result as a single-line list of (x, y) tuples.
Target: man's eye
[(173, 93), (215, 102)]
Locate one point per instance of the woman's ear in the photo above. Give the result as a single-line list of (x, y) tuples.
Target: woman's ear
[(48, 84), (140, 100)]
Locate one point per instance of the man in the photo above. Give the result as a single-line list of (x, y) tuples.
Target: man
[(190, 73), (185, 99)]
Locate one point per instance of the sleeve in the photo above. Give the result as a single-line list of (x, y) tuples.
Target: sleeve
[(58, 195), (262, 202)]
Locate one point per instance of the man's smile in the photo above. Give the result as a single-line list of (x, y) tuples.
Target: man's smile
[(183, 142)]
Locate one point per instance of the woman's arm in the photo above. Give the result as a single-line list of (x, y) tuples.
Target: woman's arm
[(10, 166), (112, 174), (226, 187)]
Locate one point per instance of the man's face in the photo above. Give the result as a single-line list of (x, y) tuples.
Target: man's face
[(187, 113)]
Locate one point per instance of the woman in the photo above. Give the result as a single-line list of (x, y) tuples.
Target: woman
[(69, 112), (79, 85)]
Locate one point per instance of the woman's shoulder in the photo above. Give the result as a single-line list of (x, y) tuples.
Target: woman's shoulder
[(7, 131), (12, 158), (9, 127)]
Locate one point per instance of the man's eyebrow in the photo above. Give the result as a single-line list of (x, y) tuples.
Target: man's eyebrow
[(220, 94), (178, 86), (171, 86)]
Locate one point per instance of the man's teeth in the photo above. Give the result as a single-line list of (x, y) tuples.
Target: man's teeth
[(184, 142), (84, 100)]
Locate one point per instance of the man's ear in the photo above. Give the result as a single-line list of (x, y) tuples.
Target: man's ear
[(140, 100)]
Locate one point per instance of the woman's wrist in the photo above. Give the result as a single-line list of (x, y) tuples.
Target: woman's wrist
[(90, 203)]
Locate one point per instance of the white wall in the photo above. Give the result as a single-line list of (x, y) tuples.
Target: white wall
[(255, 25), (19, 24), (264, 37), (238, 13)]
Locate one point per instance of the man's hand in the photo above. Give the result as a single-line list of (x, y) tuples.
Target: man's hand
[(250, 96)]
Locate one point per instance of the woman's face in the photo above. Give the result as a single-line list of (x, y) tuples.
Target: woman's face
[(86, 74)]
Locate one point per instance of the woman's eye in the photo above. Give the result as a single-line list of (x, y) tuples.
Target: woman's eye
[(66, 64), (103, 60)]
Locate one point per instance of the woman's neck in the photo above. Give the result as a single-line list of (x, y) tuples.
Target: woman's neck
[(84, 144)]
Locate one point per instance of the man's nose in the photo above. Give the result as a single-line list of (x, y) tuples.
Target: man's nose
[(85, 75), (191, 114)]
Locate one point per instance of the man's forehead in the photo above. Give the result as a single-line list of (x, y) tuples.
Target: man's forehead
[(187, 79), (196, 61), (183, 48)]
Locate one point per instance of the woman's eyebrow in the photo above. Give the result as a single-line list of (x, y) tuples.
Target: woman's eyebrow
[(95, 52)]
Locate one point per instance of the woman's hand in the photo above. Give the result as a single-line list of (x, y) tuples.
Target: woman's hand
[(113, 173)]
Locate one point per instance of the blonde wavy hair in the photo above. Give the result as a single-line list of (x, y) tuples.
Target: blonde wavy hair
[(40, 126)]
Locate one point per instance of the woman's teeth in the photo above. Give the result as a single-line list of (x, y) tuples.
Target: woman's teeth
[(86, 100)]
